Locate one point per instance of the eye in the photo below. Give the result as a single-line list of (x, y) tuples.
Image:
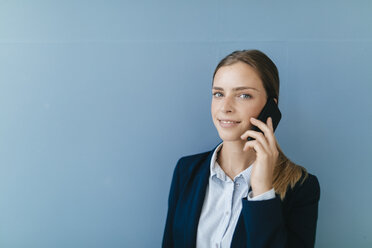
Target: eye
[(214, 94), (248, 96)]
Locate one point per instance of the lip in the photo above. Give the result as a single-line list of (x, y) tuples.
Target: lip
[(228, 125), (227, 120)]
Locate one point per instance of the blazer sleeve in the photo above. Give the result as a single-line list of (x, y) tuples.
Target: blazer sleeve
[(266, 225), (172, 202)]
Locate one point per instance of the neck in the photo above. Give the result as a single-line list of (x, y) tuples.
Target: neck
[(233, 159)]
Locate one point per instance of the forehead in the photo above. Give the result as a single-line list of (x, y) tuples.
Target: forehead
[(237, 75)]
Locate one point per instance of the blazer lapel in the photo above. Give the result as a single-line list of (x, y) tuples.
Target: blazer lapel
[(196, 200)]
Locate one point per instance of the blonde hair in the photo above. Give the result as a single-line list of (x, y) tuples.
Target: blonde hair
[(286, 173)]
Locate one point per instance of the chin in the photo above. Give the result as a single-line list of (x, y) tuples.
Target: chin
[(229, 137)]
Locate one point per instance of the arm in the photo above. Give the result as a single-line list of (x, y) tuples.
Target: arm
[(172, 202), (266, 226)]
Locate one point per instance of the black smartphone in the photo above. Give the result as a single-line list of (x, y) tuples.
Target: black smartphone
[(269, 110)]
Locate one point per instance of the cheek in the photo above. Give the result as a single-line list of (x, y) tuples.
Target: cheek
[(255, 112), (213, 112), (213, 108), (251, 111)]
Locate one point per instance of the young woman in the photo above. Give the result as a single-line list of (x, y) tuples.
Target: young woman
[(242, 193)]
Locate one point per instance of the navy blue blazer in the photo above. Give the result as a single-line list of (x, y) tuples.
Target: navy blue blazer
[(269, 223)]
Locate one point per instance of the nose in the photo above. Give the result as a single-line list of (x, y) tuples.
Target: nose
[(227, 105)]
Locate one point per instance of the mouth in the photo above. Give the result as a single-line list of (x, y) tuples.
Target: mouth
[(228, 123)]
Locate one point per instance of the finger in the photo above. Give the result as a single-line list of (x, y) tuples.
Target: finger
[(269, 132), (270, 123), (272, 138), (255, 145), (261, 125), (258, 136)]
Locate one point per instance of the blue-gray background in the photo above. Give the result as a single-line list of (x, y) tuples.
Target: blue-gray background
[(99, 99)]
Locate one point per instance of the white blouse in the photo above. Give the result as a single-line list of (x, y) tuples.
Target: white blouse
[(223, 204)]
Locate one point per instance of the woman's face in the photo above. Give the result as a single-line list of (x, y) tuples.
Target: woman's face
[(237, 95)]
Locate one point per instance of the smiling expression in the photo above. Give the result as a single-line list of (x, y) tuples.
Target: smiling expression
[(237, 95)]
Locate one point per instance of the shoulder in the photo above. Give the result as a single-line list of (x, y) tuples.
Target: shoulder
[(307, 189), (309, 182), (188, 167)]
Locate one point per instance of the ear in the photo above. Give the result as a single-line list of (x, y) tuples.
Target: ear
[(276, 100)]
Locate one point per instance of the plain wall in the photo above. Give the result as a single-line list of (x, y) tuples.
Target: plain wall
[(99, 99)]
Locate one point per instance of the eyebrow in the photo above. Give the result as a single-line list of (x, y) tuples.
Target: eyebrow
[(236, 89)]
